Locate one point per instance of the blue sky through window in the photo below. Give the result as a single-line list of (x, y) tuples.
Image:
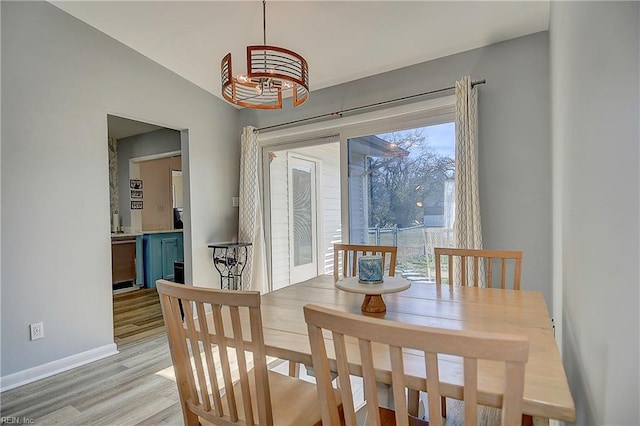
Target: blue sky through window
[(440, 137)]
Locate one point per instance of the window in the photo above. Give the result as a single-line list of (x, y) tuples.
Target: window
[(383, 177), (401, 185)]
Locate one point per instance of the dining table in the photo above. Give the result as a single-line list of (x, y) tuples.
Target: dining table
[(546, 390)]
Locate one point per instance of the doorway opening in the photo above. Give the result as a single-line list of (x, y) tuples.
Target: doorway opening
[(146, 189), (304, 203)]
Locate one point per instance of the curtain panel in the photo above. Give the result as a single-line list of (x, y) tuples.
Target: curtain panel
[(467, 227), (250, 225)]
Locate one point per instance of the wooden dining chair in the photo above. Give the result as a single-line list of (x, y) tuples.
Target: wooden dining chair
[(218, 382), (366, 340), (347, 255), (475, 264)]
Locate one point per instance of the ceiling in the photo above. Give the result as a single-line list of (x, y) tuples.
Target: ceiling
[(342, 41), (123, 128)]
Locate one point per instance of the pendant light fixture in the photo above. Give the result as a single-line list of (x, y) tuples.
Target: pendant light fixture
[(272, 73)]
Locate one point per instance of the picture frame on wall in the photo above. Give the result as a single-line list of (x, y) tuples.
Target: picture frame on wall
[(136, 193), (136, 205), (135, 183)]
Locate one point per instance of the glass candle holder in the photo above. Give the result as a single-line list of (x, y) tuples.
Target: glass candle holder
[(370, 269)]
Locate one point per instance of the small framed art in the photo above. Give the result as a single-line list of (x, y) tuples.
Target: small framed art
[(135, 183)]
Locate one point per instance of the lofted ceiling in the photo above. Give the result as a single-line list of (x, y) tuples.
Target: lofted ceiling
[(119, 127), (341, 40)]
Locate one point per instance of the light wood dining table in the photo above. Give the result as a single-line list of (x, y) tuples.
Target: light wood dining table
[(546, 391)]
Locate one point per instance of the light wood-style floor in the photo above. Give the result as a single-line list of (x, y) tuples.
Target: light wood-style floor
[(136, 386), (136, 315)]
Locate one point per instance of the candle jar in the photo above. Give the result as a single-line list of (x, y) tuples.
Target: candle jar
[(370, 269)]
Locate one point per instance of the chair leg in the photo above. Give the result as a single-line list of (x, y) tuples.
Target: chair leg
[(190, 418), (413, 402), (294, 369)]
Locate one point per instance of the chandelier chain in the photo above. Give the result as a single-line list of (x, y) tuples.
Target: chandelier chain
[(264, 22)]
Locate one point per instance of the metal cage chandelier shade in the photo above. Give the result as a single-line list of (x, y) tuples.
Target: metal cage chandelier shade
[(272, 73)]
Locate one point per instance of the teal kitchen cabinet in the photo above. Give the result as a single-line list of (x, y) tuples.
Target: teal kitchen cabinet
[(161, 250)]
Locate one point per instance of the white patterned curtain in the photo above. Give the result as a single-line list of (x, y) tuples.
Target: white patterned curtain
[(250, 228), (467, 229)]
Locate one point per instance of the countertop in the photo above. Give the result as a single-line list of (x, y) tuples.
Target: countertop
[(163, 231), (135, 234), (120, 235)]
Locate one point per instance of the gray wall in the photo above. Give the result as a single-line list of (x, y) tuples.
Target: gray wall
[(156, 142), (60, 79), (595, 104), (514, 134)]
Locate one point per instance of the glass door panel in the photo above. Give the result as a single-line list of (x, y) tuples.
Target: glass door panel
[(301, 212), (304, 205), (401, 188), (302, 217)]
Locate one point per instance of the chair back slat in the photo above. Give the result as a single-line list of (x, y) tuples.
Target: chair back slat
[(376, 336), (450, 271), (244, 377), (201, 396), (370, 383), (225, 364), (399, 385), (343, 371), (476, 267), (179, 353), (208, 349), (209, 356), (517, 274), (489, 271), (350, 253), (474, 264), (328, 403)]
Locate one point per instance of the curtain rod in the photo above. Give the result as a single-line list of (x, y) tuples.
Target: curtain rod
[(339, 113)]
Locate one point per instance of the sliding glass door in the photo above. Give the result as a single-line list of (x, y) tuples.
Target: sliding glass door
[(401, 187), (384, 178)]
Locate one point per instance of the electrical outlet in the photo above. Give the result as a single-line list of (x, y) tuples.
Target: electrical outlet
[(37, 330), (235, 201)]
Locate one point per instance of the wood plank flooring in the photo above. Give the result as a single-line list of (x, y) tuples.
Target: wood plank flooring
[(136, 386), (136, 315)]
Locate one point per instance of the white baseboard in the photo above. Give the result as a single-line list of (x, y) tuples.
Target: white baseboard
[(49, 369)]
